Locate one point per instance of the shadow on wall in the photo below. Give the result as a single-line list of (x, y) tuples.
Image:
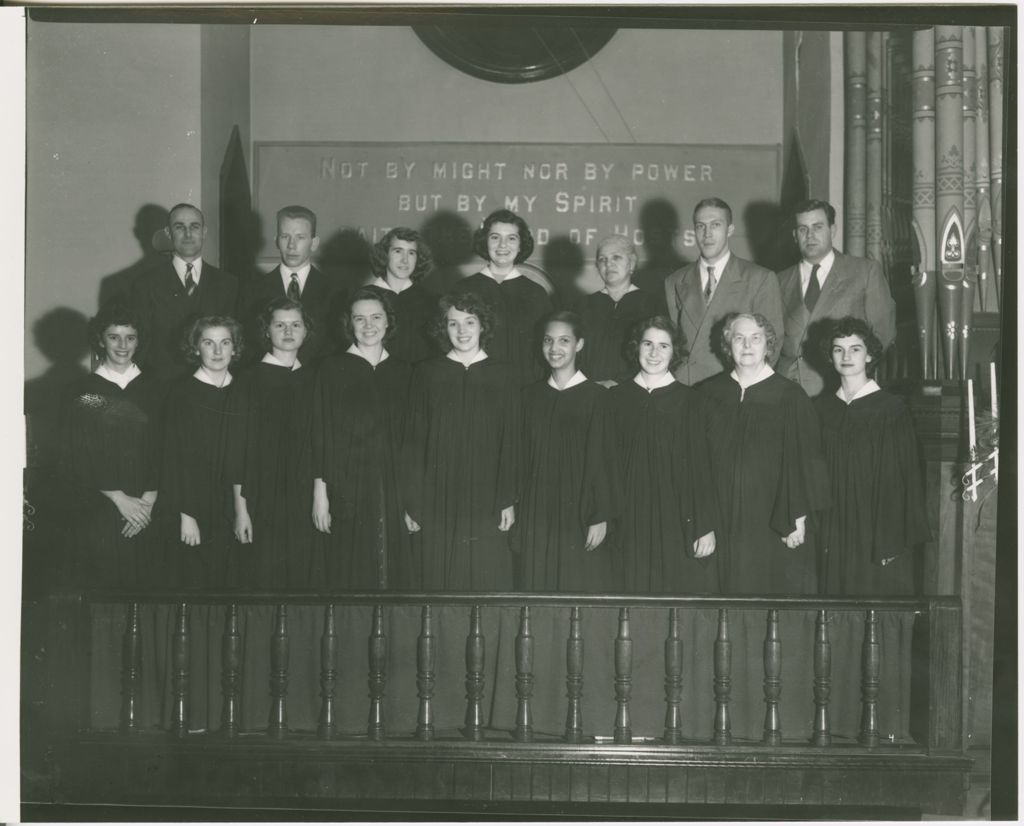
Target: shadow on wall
[(659, 222), (450, 239), (768, 234), (61, 335), (149, 220), (240, 228), (564, 265)]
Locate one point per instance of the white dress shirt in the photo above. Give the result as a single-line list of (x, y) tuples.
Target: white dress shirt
[(824, 268), (181, 268), (719, 267), (302, 272)]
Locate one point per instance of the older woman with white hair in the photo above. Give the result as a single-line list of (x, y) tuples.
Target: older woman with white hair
[(766, 465), (609, 314)]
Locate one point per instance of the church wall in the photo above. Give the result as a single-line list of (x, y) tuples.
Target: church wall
[(113, 119), (124, 115)]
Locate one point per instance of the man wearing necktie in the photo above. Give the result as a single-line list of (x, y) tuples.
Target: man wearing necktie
[(824, 287), (719, 282), (168, 298), (296, 278)]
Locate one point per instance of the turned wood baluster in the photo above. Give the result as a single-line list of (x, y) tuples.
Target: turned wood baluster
[(871, 663), (378, 653), (179, 672), (822, 680), (772, 679), (623, 679), (524, 678), (131, 670), (425, 677), (723, 681), (673, 679), (574, 679), (327, 724), (230, 677), (475, 652), (278, 725)]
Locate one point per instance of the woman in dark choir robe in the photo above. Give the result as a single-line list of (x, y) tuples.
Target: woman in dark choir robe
[(195, 480), (609, 314), (665, 534), (110, 460), (767, 467), (358, 416), (878, 514), (566, 498), (461, 446), (399, 261), (270, 455), (518, 303)]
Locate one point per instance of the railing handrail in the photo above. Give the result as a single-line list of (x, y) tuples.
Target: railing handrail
[(517, 599)]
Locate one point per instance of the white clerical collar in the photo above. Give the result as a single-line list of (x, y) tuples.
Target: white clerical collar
[(649, 384), (302, 272), (513, 273), (763, 373), (354, 350), (631, 289), (270, 358), (480, 356), (719, 265), (824, 268), (869, 387), (384, 285), (122, 380), (206, 378), (577, 378), (180, 267)]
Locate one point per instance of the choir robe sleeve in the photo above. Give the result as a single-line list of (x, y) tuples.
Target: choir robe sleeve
[(172, 471), (242, 408), (320, 429), (803, 479), (703, 506), (599, 495), (85, 460), (414, 442), (153, 448), (899, 521), (510, 440)]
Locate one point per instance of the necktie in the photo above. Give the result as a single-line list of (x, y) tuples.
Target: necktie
[(813, 289), (293, 287), (709, 288), (190, 282)]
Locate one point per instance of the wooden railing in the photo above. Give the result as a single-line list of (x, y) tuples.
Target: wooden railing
[(935, 716)]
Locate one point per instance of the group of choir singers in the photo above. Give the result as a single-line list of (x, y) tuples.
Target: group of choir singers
[(527, 452)]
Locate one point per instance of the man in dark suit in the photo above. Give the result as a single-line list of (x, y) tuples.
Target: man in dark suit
[(169, 297), (824, 287), (701, 294), (296, 278)]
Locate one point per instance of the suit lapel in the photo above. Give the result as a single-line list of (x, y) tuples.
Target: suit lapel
[(834, 287), (691, 299), (792, 299), (276, 286), (169, 281), (315, 286), (730, 276)]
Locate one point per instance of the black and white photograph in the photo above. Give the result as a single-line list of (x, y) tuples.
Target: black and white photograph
[(517, 412)]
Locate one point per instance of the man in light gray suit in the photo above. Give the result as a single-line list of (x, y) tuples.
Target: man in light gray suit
[(701, 294), (824, 287)]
